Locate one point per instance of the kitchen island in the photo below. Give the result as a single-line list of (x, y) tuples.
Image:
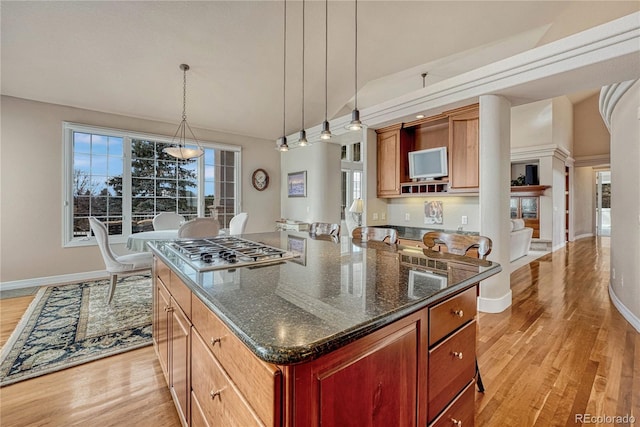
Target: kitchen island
[(347, 333)]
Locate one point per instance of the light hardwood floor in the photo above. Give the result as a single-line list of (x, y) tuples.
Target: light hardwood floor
[(561, 349)]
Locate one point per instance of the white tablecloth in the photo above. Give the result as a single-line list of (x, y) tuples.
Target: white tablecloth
[(138, 241)]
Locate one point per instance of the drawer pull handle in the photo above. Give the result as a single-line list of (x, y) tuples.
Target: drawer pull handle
[(457, 354), (458, 313), (456, 423), (215, 394), (216, 340)]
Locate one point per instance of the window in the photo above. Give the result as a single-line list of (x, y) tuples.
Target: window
[(125, 179), (352, 175)]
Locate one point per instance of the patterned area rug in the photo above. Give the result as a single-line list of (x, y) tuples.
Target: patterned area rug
[(72, 324)]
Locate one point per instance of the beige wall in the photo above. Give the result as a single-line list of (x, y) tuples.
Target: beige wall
[(322, 163), (531, 124), (562, 125), (625, 201), (31, 186), (591, 137)]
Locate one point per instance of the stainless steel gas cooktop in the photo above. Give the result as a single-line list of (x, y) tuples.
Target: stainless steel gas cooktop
[(224, 252)]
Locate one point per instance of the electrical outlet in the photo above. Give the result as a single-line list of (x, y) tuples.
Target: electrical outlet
[(613, 273), (375, 216), (407, 217), (383, 215), (465, 220), (622, 280)]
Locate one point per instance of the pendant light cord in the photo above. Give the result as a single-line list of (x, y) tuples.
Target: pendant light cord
[(184, 94), (284, 73), (302, 127), (356, 55), (326, 55)]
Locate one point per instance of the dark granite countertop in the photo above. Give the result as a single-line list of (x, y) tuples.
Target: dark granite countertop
[(334, 293), (416, 233)]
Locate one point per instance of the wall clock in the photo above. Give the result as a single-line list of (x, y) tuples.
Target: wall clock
[(260, 179)]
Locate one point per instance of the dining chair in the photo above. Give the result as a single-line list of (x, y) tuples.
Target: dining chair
[(320, 228), (199, 228), (238, 223), (167, 221), (380, 234), (118, 265), (460, 244)]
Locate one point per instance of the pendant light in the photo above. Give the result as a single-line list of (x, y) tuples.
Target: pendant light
[(180, 150), (326, 132), (302, 141), (282, 143), (355, 124), (424, 77)]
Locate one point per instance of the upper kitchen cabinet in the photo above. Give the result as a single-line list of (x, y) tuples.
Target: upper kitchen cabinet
[(456, 129), (394, 144), (464, 149)]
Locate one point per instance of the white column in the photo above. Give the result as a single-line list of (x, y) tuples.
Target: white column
[(495, 176)]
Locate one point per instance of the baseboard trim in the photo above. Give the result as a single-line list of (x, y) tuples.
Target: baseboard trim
[(626, 313), (494, 305), (53, 280)]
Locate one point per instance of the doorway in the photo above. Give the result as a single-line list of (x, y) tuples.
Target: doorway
[(603, 203)]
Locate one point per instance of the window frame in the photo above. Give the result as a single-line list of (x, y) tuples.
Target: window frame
[(68, 128)]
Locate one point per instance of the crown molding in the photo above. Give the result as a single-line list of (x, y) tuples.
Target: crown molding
[(538, 151), (609, 97)]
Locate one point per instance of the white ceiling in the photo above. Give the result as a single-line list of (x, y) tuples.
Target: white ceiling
[(123, 56)]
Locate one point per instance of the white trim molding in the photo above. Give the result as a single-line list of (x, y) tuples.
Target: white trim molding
[(495, 305), (53, 280), (538, 151), (626, 313), (609, 97)]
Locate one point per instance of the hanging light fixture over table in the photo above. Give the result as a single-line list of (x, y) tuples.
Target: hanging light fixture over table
[(180, 150)]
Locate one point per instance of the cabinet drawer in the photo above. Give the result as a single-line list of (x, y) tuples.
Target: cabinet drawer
[(161, 271), (258, 381), (449, 315), (181, 294), (217, 397), (451, 368), (461, 410)]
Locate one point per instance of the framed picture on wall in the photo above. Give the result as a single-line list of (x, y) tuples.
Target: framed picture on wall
[(433, 212), (297, 184)]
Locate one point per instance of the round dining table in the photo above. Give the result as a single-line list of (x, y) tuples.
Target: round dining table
[(138, 241)]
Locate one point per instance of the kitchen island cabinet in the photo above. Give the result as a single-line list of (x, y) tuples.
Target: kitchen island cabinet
[(347, 336)]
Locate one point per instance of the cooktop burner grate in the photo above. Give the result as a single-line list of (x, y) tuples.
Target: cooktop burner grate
[(222, 252)]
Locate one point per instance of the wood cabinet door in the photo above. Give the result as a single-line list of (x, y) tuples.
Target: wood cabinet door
[(180, 360), (161, 315), (378, 380), (464, 150), (388, 152)]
